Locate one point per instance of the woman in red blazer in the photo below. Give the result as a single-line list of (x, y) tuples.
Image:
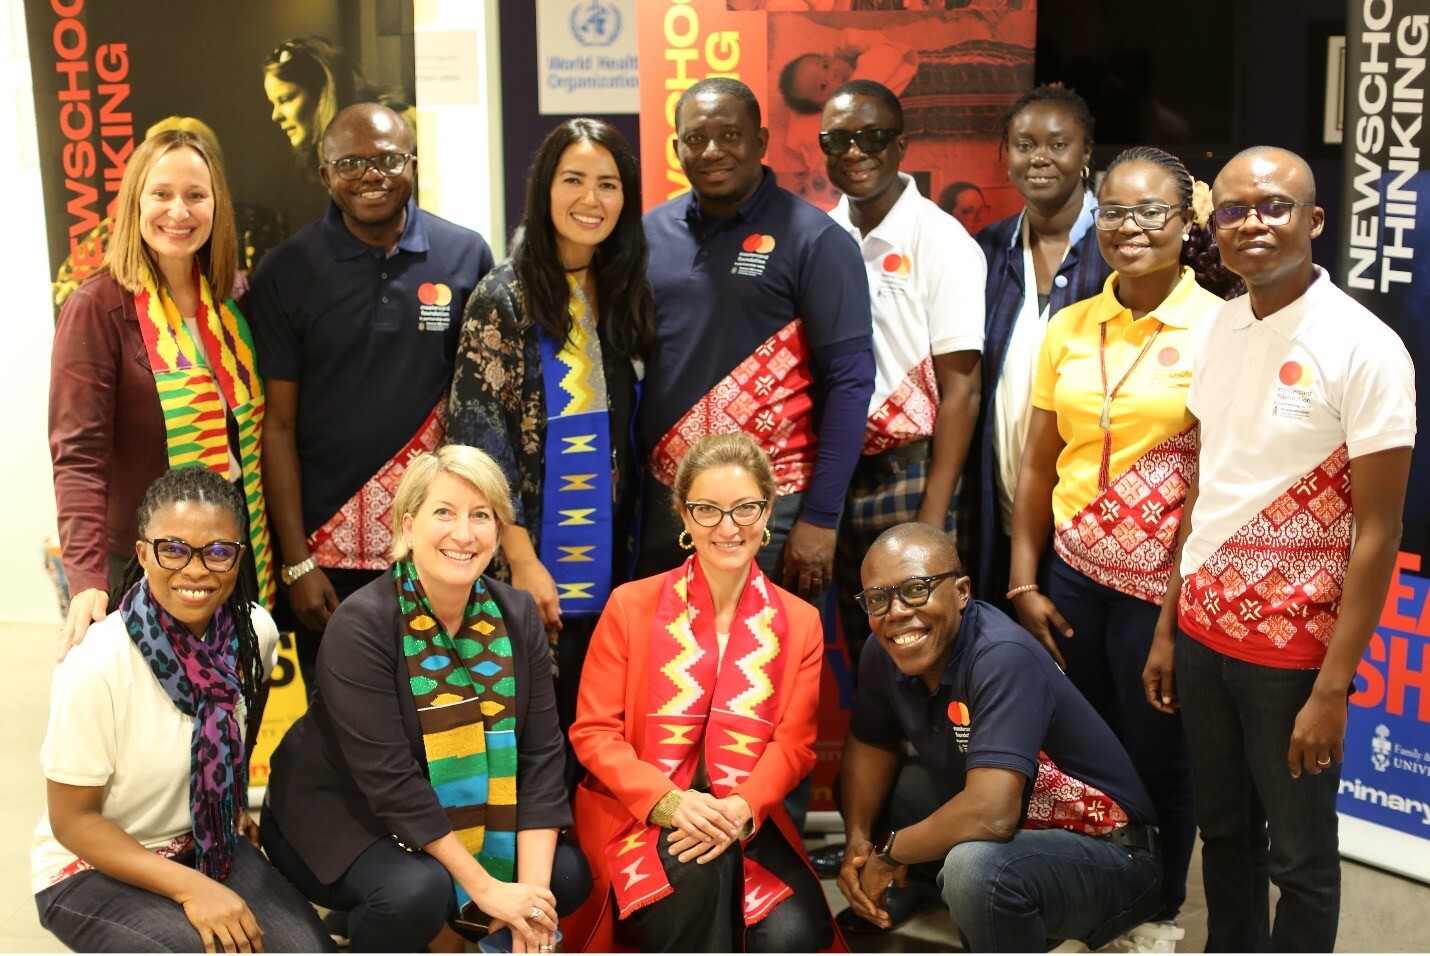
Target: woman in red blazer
[(695, 719)]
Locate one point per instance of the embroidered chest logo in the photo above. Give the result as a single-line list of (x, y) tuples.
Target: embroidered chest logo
[(895, 277), (754, 255), (1293, 396), (434, 311), (1170, 370), (958, 715)]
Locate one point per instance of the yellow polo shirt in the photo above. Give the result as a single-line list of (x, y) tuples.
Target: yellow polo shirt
[(1149, 408)]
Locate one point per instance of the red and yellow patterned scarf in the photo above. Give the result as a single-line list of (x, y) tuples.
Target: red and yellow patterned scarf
[(692, 700), (193, 392)]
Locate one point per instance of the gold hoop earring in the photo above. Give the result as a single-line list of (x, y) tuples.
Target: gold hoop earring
[(685, 541), (768, 536)]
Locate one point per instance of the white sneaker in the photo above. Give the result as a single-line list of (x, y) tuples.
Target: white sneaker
[(1147, 938)]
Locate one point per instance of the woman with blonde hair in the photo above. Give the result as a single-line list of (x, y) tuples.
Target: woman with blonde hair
[(423, 787), (153, 368)]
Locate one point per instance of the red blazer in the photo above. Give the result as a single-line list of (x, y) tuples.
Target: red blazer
[(609, 734)]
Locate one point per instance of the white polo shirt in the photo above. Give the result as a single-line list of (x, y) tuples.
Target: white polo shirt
[(926, 280), (1284, 404)]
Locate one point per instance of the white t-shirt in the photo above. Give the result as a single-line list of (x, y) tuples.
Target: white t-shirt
[(1284, 404), (926, 283), (113, 726)]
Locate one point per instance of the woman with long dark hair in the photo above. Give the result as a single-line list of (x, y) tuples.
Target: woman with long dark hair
[(546, 376)]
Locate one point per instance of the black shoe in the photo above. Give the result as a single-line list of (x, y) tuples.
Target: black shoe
[(827, 859), (902, 903)]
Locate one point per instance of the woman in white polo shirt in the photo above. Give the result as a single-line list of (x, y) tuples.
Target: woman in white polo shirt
[(146, 842)]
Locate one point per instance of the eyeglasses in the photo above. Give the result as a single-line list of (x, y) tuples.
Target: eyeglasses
[(874, 139), (914, 592), (176, 553), (355, 167), (1277, 212), (1150, 216), (708, 516)]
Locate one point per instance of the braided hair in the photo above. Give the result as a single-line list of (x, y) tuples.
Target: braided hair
[(1199, 250), (200, 485)]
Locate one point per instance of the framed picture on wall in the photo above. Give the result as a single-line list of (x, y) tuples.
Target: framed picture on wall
[(1333, 111)]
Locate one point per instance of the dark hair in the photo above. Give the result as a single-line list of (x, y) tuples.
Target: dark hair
[(949, 196), (797, 103), (721, 86), (195, 483), (622, 293), (1199, 251), (1053, 95), (879, 91)]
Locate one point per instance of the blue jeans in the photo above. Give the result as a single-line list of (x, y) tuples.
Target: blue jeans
[(94, 913), (1047, 885), (1257, 821), (1112, 633)]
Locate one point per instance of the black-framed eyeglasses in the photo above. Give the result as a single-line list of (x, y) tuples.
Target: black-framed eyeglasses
[(913, 591), (871, 140), (1277, 212), (744, 514), (176, 553), (1151, 216), (355, 167)]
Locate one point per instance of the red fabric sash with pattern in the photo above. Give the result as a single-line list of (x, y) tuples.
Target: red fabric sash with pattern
[(906, 415), (1062, 802), (767, 397), (359, 536), (1124, 538), (1271, 593), (697, 706)]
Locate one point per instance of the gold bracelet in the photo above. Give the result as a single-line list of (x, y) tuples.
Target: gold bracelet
[(1021, 589), (663, 813)]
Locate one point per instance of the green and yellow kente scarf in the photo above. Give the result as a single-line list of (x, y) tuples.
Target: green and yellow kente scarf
[(465, 689)]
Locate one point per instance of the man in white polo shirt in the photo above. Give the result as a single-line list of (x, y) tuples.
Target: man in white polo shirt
[(926, 279), (1307, 409)]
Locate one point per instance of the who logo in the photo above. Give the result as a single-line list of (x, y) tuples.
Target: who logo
[(595, 23), (1380, 748)]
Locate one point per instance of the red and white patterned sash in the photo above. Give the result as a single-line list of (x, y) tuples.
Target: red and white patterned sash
[(1272, 592), (1124, 538), (1061, 802), (767, 397), (360, 535), (908, 414), (697, 706)]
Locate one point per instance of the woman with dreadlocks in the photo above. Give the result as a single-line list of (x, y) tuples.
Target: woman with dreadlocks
[(146, 843)]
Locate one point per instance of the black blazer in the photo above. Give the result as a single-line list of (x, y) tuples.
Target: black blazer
[(353, 771)]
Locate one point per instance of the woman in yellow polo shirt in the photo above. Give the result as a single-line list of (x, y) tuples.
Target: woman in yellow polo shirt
[(1111, 450)]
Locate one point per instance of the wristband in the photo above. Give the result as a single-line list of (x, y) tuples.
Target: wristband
[(1020, 589), (292, 572), (884, 849), (663, 813)]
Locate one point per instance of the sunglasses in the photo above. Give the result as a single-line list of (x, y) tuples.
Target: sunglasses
[(871, 140)]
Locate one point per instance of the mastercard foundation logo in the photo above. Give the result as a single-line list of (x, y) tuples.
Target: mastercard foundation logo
[(755, 242), (434, 293), (897, 265), (958, 713), (1168, 357), (1296, 374)]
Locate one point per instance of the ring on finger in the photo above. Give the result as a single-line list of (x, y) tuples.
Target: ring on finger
[(1323, 763), (535, 913)]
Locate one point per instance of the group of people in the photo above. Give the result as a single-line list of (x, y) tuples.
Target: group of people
[(551, 533)]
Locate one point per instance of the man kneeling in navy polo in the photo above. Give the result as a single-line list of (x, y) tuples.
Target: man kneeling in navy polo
[(1041, 825)]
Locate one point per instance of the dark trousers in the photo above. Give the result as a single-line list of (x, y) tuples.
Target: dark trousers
[(571, 647), (703, 915), (397, 901), (94, 913), (1112, 633), (306, 640), (1257, 821)]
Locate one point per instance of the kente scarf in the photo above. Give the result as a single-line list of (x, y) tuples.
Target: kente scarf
[(697, 705), (201, 678), (465, 690), (576, 534), (192, 394)]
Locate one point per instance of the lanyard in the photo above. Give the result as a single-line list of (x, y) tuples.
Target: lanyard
[(1105, 422)]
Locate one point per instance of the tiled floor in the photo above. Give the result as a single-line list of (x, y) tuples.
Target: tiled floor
[(1379, 912)]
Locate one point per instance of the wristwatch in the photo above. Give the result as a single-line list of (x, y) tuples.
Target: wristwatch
[(884, 848), (292, 572)]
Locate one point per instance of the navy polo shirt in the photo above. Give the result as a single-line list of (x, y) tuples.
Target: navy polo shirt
[(716, 303), (369, 338), (1001, 701)]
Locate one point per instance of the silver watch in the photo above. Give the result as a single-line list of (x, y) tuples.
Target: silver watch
[(292, 572)]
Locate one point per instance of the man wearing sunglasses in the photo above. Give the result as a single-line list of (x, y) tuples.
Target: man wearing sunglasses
[(1020, 802), (355, 320), (926, 279), (1307, 409)]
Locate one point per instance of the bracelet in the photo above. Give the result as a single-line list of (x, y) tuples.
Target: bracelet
[(1020, 589), (292, 572), (663, 813)]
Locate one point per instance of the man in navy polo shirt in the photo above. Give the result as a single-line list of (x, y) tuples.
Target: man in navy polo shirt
[(1039, 822), (762, 326), (355, 320)]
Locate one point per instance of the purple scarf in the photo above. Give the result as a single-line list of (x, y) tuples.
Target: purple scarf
[(201, 678)]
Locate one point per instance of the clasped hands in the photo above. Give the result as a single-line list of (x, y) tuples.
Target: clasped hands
[(704, 826), (864, 879)]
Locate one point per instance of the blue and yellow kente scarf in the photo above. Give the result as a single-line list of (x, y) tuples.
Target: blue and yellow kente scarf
[(578, 496), (465, 689)]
